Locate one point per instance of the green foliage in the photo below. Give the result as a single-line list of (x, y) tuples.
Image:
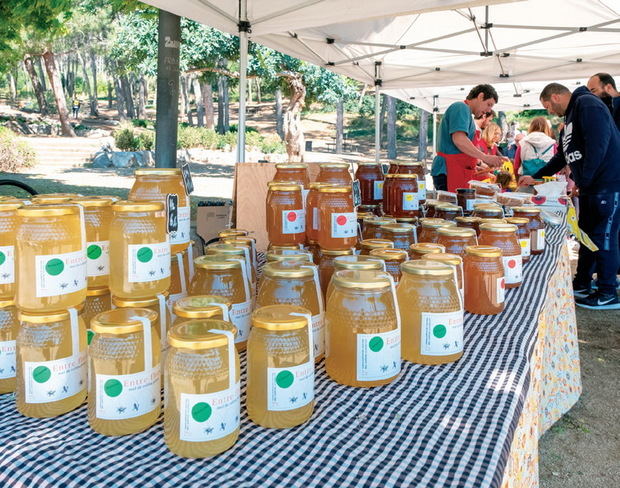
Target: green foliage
[(272, 144), (14, 153), (140, 123), (190, 137), (196, 137), (127, 139)]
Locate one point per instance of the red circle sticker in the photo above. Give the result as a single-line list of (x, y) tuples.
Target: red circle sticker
[(292, 216), (503, 283), (512, 263), (341, 220)]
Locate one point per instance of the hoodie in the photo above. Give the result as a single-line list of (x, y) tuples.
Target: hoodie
[(536, 145), (590, 145)]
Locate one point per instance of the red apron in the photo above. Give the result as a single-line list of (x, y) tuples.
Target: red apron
[(460, 169)]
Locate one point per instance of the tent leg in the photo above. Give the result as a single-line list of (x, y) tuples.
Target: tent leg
[(377, 124), (243, 66), (434, 133)]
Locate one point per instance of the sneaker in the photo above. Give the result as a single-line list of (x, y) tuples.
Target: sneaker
[(599, 301), (580, 291), (594, 284)]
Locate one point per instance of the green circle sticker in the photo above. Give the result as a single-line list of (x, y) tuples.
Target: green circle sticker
[(145, 254), (41, 374), (54, 267), (375, 344), (440, 331), (2, 258), (284, 379), (113, 388), (201, 412), (89, 336), (94, 251)]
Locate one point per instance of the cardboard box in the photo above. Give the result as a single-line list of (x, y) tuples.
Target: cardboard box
[(212, 219)]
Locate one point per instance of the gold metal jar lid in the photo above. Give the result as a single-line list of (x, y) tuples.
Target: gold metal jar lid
[(533, 210), (398, 228), (50, 200), (356, 262), (225, 249), (492, 220), (4, 303), (97, 292), (60, 195), (137, 302), (445, 257), (484, 251), (194, 334), (9, 205), (427, 248), (284, 186), (216, 262), (390, 254), (291, 166), (131, 206), (278, 256), (93, 201), (280, 317), (368, 163), (287, 270), (428, 223), (361, 280), (406, 220), (334, 165), (409, 163), (200, 306), (120, 321), (487, 205), (336, 252), (499, 227), (467, 220), (46, 318), (379, 220), (364, 215), (335, 189), (48, 210), (447, 206), (452, 231), (157, 172), (376, 243), (404, 176), (518, 220), (424, 267), (232, 233), (114, 198), (291, 247)]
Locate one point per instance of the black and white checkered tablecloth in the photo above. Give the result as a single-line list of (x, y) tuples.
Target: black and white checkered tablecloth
[(436, 426)]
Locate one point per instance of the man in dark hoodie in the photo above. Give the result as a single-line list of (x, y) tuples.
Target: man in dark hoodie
[(590, 145)]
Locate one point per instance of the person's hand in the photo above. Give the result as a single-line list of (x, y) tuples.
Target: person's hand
[(493, 161), (574, 192), (481, 168), (526, 181)]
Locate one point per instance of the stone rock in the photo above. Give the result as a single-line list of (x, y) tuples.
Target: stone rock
[(126, 159), (101, 160)]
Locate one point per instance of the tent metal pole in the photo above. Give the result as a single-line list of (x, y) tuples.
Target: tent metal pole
[(244, 29), (434, 133), (377, 111)]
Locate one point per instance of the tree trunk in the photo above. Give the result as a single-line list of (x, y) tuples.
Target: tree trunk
[(41, 73), (223, 115), (59, 96), (110, 95), (128, 95), (36, 85), (382, 120), (423, 135), (184, 92), (339, 126), (293, 131), (92, 101), (503, 123), (200, 105), (207, 101), (120, 100), (391, 127), (94, 106), (259, 95), (249, 90), (142, 95), (279, 114), (12, 89)]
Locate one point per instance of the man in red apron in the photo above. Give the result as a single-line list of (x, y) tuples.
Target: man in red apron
[(455, 163)]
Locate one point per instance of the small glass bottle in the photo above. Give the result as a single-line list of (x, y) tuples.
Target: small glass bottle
[(370, 176), (466, 198), (456, 239), (202, 410), (393, 258), (362, 330), (200, 307), (326, 265), (536, 226), (158, 304), (402, 235), (337, 218), (504, 236), (429, 227), (51, 363), (523, 234), (368, 245), (8, 228), (433, 322), (421, 249), (8, 334), (285, 214), (484, 280), (139, 246), (280, 367), (335, 173), (125, 388)]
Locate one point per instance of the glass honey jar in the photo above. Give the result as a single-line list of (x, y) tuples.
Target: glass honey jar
[(9, 325), (355, 263), (97, 217), (124, 359), (280, 367), (326, 265), (335, 173), (140, 248), (402, 200), (50, 258), (429, 227), (248, 243), (432, 323), (286, 217), (505, 237), (466, 197), (8, 234), (488, 211), (53, 198), (387, 193), (484, 280), (158, 304), (367, 245), (418, 170), (536, 226), (236, 252), (225, 278), (337, 218), (179, 277), (447, 211), (292, 173), (296, 284), (523, 234), (154, 185), (370, 176), (453, 260), (371, 228), (51, 363), (393, 258), (200, 307), (469, 223), (401, 234), (456, 239), (301, 256), (97, 300), (421, 249), (429, 208), (362, 329), (202, 410)]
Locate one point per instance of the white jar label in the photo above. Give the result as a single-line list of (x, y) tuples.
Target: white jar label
[(469, 203), (410, 201), (540, 239), (500, 290), (304, 196), (315, 218), (181, 236), (7, 360), (290, 388), (318, 334), (378, 355), (526, 249), (7, 265), (344, 224), (513, 269), (209, 416), (293, 221), (60, 274), (377, 193), (98, 254), (52, 381), (148, 262), (441, 334), (421, 189), (125, 396), (240, 318)]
